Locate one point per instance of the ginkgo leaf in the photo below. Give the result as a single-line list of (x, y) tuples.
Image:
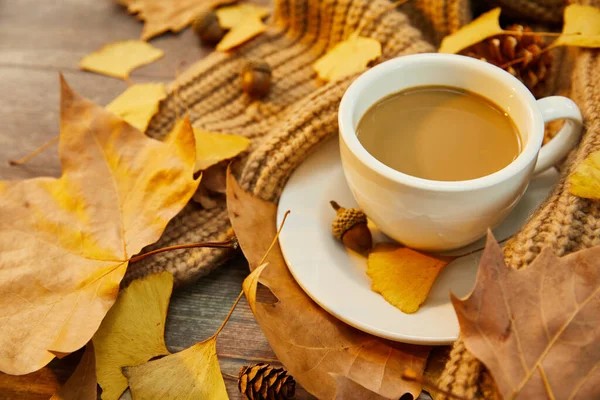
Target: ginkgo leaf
[(241, 33), (485, 26), (212, 148), (231, 16), (537, 330), (138, 103), (81, 385), (403, 276), (162, 16), (192, 374), (313, 345), (347, 57), (66, 242), (585, 180), (132, 332), (581, 27), (118, 59)]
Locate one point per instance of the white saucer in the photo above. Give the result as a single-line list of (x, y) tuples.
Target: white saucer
[(336, 279)]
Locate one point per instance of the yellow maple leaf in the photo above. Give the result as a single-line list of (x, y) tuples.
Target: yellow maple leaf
[(118, 59), (241, 33), (66, 242), (347, 57), (485, 26), (403, 276), (132, 332), (138, 103), (161, 16), (581, 27), (585, 180), (212, 148), (230, 17), (190, 374)]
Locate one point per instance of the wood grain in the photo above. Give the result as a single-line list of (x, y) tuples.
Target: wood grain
[(39, 39)]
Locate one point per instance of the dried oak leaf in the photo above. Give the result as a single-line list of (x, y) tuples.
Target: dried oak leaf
[(581, 27), (347, 57), (585, 180), (42, 384), (132, 331), (310, 342), (537, 330), (138, 103), (483, 27), (403, 276), (66, 242), (118, 59), (162, 16), (347, 389), (192, 374), (81, 385)]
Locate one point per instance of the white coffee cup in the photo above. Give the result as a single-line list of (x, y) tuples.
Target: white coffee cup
[(440, 215)]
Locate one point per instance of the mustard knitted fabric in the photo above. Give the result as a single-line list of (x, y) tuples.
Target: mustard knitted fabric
[(300, 112)]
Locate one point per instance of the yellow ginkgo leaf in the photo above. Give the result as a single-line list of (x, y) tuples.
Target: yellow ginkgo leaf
[(138, 103), (581, 27), (585, 181), (118, 59), (479, 29), (241, 33), (403, 276), (347, 57), (190, 374), (231, 16), (132, 332), (212, 148)]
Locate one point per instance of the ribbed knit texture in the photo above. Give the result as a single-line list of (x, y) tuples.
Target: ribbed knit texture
[(300, 112)]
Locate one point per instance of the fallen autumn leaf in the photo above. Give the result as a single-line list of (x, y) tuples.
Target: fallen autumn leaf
[(403, 276), (81, 385), (483, 27), (132, 331), (581, 27), (311, 343), (118, 59), (537, 329), (585, 180), (66, 242), (138, 103)]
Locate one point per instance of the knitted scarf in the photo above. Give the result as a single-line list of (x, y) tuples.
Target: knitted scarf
[(300, 112)]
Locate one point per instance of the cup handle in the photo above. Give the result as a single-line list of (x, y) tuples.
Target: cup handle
[(553, 108)]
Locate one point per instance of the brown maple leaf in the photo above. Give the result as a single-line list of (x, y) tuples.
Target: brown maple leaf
[(65, 243), (537, 330), (315, 347)]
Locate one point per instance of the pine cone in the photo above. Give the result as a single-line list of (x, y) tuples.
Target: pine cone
[(262, 382), (533, 69)]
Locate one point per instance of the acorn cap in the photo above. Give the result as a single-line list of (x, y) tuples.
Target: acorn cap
[(345, 219)]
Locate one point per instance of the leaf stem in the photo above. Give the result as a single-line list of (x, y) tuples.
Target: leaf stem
[(229, 376), (34, 153), (262, 261), (229, 315), (228, 244)]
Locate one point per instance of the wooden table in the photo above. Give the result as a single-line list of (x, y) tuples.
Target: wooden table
[(39, 39)]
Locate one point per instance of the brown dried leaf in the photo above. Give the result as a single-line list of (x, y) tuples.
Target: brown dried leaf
[(81, 385), (537, 330), (66, 242), (41, 384), (310, 342), (162, 16)]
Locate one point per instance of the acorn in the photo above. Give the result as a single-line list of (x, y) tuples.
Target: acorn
[(256, 78), (208, 29), (350, 226)]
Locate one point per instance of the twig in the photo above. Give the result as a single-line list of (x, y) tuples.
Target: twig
[(229, 376), (229, 315), (34, 153), (228, 244)]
